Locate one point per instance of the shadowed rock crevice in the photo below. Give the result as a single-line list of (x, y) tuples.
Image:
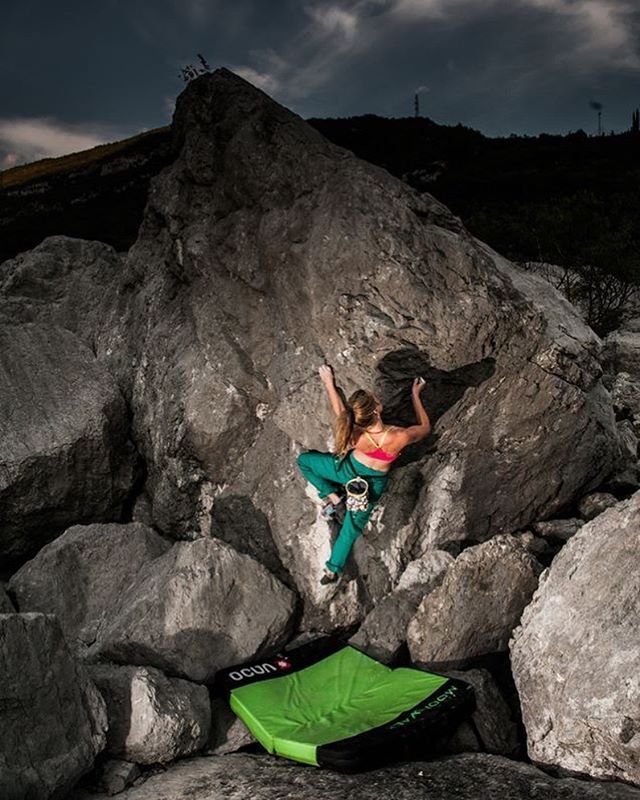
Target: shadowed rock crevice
[(395, 373), (237, 521)]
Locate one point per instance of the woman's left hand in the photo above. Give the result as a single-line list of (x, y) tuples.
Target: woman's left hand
[(326, 374)]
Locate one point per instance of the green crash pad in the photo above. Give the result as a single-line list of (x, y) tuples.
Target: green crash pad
[(327, 703)]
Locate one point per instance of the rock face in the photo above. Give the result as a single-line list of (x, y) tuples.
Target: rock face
[(493, 729), (65, 455), (65, 282), (224, 319), (259, 228), (52, 717), (621, 351), (196, 609), (467, 777), (124, 593), (575, 655), (81, 576), (477, 605), (6, 606), (228, 732), (384, 630), (152, 718)]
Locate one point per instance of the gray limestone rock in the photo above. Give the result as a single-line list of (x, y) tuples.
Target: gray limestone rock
[(113, 776), (224, 316), (152, 718), (6, 606), (576, 653), (384, 629), (81, 576), (264, 251), (595, 503), (65, 454), (466, 777), (536, 545), (562, 529), (477, 605), (228, 732), (621, 352), (65, 282), (493, 729), (625, 393), (52, 718), (196, 609)]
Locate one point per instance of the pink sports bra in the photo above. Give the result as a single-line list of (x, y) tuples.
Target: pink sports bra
[(379, 453)]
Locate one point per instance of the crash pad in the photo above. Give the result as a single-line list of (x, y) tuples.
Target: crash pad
[(329, 704)]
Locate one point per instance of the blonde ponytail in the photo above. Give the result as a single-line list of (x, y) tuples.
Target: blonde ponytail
[(344, 431), (360, 411)]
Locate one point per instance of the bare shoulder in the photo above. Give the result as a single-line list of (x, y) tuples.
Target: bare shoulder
[(409, 435), (398, 434)]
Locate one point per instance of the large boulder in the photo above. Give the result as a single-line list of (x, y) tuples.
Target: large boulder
[(621, 351), (6, 606), (53, 719), (152, 718), (491, 728), (81, 576), (228, 731), (465, 777), (576, 653), (477, 605), (256, 231), (196, 609), (266, 250), (66, 282), (384, 630), (65, 453)]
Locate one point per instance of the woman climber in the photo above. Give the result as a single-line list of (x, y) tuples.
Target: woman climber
[(358, 455)]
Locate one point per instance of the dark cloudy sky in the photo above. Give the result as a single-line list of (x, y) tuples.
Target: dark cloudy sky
[(77, 73)]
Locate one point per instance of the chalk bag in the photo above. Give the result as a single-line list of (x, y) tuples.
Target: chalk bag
[(357, 494)]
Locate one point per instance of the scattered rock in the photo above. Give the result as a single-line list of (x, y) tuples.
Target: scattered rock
[(152, 718), (575, 654), (113, 776), (621, 352), (477, 605), (64, 282), (196, 609), (222, 322), (6, 606), (65, 454), (492, 729), (561, 529), (384, 630), (465, 777), (52, 717), (81, 576), (595, 503), (536, 545), (228, 732), (625, 394)]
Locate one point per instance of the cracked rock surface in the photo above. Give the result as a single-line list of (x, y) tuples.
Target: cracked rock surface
[(466, 777), (53, 718), (576, 653)]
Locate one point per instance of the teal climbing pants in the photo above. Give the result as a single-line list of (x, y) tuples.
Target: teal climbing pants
[(328, 472)]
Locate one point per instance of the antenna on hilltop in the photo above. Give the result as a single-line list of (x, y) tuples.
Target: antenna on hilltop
[(416, 99), (598, 108)]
